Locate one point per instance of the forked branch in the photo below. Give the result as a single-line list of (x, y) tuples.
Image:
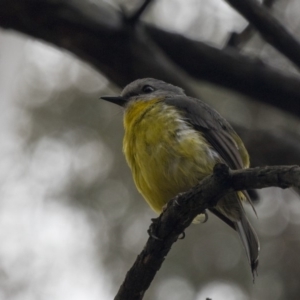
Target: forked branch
[(269, 28)]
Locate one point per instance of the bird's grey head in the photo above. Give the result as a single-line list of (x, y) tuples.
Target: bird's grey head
[(146, 88)]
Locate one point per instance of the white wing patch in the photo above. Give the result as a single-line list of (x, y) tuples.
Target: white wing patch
[(213, 154)]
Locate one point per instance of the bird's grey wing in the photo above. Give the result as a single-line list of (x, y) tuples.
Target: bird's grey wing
[(216, 130), (225, 141)]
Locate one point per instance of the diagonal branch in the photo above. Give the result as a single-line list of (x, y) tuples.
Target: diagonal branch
[(231, 70), (181, 211), (97, 35), (269, 28)]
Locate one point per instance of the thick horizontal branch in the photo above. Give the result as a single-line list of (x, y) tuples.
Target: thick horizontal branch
[(97, 34), (181, 211), (269, 28), (231, 70)]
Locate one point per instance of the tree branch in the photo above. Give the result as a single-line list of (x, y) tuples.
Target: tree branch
[(136, 16), (98, 35), (269, 28), (181, 210), (237, 40), (231, 70)]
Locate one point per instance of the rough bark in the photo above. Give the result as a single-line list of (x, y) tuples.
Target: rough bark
[(166, 229)]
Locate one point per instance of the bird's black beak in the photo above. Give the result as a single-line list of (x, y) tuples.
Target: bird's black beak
[(115, 99)]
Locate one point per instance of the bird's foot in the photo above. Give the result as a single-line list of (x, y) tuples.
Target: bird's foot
[(202, 218)]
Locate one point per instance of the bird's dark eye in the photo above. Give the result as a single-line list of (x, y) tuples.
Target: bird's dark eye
[(147, 89)]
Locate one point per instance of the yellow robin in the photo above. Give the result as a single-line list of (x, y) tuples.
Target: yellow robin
[(173, 141)]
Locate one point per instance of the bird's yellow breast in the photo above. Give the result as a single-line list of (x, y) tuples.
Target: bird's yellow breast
[(165, 154)]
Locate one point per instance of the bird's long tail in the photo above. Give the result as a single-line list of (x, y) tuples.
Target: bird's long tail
[(240, 223), (249, 240)]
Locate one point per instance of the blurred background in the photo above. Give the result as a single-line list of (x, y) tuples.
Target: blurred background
[(71, 220)]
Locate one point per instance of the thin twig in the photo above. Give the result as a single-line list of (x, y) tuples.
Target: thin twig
[(132, 20), (269, 28), (237, 40)]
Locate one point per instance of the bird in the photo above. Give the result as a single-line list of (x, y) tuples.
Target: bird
[(173, 141)]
